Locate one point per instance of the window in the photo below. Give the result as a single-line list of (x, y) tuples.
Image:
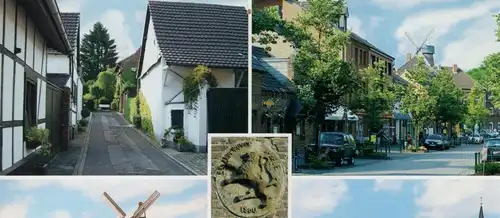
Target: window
[(177, 118), (30, 104), (492, 111), (356, 55), (372, 59)]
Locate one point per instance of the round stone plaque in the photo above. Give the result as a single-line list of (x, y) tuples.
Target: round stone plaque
[(250, 179)]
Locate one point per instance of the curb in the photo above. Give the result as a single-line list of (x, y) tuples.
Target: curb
[(157, 146), (80, 164)]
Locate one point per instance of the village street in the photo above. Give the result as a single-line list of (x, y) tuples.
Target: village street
[(452, 162), (115, 148)]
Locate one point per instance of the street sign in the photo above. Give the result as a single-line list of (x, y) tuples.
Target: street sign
[(116, 208), (143, 207), (484, 155)]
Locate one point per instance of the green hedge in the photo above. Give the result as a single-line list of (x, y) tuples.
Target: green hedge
[(131, 110)]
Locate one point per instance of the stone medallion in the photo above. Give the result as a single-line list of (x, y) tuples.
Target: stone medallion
[(250, 179)]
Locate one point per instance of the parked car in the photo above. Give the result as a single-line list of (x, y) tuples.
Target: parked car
[(437, 142), (338, 147), (491, 150), (476, 138)]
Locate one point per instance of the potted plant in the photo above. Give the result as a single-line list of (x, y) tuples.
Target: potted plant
[(44, 157), (137, 121), (35, 137), (184, 145), (166, 134)]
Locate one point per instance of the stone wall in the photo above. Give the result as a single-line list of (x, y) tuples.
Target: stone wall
[(220, 144)]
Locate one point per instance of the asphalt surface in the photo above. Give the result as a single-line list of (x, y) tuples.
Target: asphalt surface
[(116, 149), (453, 162)]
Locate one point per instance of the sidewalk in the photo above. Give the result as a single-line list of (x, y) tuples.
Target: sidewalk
[(196, 163), (64, 163)]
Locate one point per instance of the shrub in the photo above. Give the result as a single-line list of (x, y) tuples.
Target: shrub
[(85, 112), (104, 100), (490, 168), (185, 144), (90, 104), (145, 114), (114, 104), (84, 123)]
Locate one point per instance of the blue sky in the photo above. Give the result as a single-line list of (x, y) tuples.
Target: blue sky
[(463, 29), (80, 197), (123, 18), (377, 198)]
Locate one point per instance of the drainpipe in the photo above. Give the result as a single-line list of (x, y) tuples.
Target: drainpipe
[(56, 16)]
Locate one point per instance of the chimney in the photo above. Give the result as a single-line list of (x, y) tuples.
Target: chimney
[(454, 69), (408, 57)]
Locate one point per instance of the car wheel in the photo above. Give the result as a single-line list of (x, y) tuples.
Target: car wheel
[(351, 161)]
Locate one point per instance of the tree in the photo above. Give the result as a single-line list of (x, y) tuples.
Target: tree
[(415, 98), (322, 78), (98, 51), (376, 97), (450, 107), (476, 110), (106, 82)]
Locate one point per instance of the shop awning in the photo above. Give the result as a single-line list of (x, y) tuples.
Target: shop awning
[(339, 115), (400, 116)]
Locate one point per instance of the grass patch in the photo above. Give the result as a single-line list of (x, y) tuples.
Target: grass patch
[(490, 168)]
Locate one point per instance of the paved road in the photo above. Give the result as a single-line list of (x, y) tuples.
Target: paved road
[(116, 149), (455, 161)]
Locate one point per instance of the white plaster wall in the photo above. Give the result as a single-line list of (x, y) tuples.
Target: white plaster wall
[(195, 122), (151, 50), (151, 90), (13, 149), (80, 99), (58, 64)]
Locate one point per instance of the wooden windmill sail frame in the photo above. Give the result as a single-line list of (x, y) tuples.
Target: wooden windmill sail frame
[(140, 212), (417, 47)]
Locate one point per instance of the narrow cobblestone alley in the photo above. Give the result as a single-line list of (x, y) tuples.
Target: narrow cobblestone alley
[(115, 148)]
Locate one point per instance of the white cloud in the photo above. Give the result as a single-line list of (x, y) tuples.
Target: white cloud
[(114, 21), (70, 5), (388, 185), (406, 4), (478, 40), (115, 187), (442, 21), (316, 197), (375, 21), (60, 214), (195, 207), (458, 198), (354, 23), (140, 16), (17, 209)]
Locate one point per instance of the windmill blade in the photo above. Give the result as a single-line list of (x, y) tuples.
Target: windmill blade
[(411, 40), (146, 204), (425, 40), (114, 205)]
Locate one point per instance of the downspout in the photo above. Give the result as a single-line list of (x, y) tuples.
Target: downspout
[(56, 16)]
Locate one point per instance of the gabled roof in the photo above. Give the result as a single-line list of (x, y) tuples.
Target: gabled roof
[(71, 23), (271, 79), (461, 79), (130, 61), (191, 34)]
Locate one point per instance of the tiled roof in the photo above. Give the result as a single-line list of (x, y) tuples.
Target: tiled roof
[(59, 79), (272, 80), (130, 61), (461, 79), (408, 65), (71, 22), (201, 34)]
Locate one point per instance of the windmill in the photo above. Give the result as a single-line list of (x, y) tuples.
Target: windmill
[(140, 212), (426, 50)]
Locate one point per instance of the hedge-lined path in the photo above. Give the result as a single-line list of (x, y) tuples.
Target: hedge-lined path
[(115, 148)]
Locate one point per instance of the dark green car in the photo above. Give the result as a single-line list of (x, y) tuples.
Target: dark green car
[(338, 147)]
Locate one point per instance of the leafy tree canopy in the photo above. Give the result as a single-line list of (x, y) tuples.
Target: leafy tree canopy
[(106, 82), (98, 51), (476, 111), (449, 98)]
